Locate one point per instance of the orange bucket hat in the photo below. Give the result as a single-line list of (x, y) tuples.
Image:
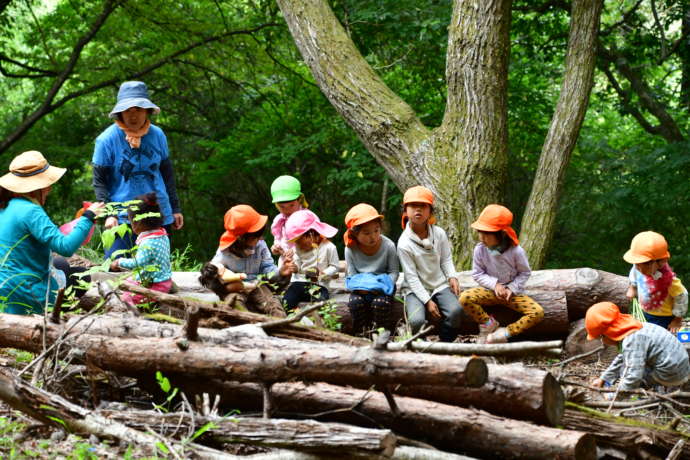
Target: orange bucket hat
[(417, 194), (605, 318), (239, 220), (495, 218), (357, 215), (647, 246)]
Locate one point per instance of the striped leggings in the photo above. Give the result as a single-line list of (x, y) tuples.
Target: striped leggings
[(472, 301)]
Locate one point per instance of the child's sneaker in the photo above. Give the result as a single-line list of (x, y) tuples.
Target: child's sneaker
[(486, 329), (500, 335)]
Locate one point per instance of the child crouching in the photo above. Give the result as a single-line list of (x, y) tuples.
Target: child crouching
[(152, 259), (243, 256)]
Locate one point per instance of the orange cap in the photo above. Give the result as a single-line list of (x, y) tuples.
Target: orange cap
[(239, 220), (357, 215), (605, 318), (417, 194), (495, 218), (647, 246)]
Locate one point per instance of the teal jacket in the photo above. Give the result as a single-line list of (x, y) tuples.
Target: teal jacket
[(27, 237)]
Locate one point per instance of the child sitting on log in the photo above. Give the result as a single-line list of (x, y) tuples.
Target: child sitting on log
[(315, 259), (430, 283), (286, 192), (152, 260), (663, 298), (242, 257), (372, 270), (500, 267), (650, 355)]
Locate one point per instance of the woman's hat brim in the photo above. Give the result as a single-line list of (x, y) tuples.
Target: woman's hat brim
[(26, 184), (128, 103)]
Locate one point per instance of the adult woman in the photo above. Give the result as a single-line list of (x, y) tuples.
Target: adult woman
[(131, 159), (28, 236)]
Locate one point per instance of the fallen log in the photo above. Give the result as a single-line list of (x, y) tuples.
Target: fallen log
[(513, 391), (303, 435), (638, 439), (227, 316), (53, 410), (251, 358), (451, 428)]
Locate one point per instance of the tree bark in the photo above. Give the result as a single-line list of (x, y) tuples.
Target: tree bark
[(539, 220), (305, 435), (451, 428), (253, 358), (512, 391)]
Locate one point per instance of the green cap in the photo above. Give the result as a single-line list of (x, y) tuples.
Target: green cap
[(285, 188)]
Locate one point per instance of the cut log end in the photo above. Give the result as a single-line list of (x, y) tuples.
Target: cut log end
[(476, 373), (554, 400), (586, 448)]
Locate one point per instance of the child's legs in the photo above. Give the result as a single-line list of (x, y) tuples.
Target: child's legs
[(415, 312), (295, 293), (383, 307), (472, 301), (361, 311), (531, 311), (265, 302), (451, 311), (662, 321)]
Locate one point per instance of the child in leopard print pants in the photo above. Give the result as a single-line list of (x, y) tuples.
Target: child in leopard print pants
[(500, 267)]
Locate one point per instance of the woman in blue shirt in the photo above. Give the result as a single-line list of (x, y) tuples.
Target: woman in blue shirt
[(28, 236)]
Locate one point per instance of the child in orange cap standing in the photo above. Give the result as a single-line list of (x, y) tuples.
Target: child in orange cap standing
[(242, 257), (650, 355), (372, 269), (430, 284), (663, 298), (500, 267)]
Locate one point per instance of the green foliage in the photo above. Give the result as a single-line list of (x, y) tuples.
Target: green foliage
[(167, 388), (330, 316)]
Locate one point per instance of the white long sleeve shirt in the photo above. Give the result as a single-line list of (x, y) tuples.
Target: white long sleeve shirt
[(324, 257), (427, 264)]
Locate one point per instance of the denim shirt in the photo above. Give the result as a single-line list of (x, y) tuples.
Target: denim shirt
[(259, 263)]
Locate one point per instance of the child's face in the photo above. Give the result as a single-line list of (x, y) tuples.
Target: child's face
[(137, 226), (650, 267), (252, 242), (369, 234), (288, 207), (608, 342), (489, 239), (307, 241), (418, 213)]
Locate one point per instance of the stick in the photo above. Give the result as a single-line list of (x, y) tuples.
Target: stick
[(581, 355), (676, 451), (191, 327), (55, 317), (292, 318), (422, 330), (476, 349), (268, 403)]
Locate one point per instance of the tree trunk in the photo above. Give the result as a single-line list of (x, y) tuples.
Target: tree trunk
[(255, 359), (464, 161), (539, 220), (450, 428), (512, 391), (335, 439)]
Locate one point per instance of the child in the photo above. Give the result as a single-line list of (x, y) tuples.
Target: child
[(430, 279), (649, 354), (372, 269), (663, 298), (500, 267), (315, 259), (153, 249), (287, 195), (241, 257)]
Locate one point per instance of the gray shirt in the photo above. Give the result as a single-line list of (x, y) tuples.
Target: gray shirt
[(650, 350), (385, 260)]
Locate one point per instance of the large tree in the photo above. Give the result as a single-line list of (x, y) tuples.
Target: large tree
[(465, 159)]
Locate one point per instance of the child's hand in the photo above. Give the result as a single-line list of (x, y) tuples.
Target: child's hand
[(110, 222), (114, 266), (454, 286), (312, 274), (597, 382), (287, 268), (631, 293), (97, 208), (433, 310), (277, 249), (675, 325), (500, 291), (508, 294)]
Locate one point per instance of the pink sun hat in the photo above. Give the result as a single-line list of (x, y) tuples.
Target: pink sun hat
[(300, 222)]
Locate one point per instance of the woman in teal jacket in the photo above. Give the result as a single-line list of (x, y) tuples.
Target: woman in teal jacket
[(28, 236)]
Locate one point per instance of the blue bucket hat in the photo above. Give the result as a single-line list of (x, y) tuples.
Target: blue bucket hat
[(133, 94)]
